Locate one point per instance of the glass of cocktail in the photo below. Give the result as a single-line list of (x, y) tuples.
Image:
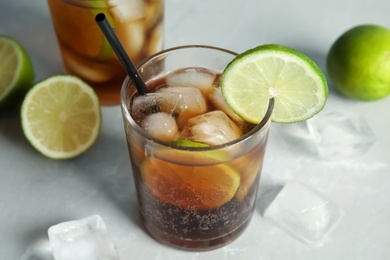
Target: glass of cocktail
[(85, 51), (196, 164)]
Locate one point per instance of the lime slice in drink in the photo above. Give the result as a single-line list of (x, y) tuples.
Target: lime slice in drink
[(297, 84), (205, 187), (16, 71), (61, 117)]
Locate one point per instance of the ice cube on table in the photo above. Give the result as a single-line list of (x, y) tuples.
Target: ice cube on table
[(304, 213), (39, 250), (183, 102), (85, 239), (340, 134), (161, 126), (193, 77), (212, 128)]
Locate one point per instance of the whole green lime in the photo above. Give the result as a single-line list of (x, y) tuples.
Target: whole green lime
[(358, 62)]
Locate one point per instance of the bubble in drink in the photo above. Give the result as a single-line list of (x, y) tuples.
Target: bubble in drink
[(85, 239), (213, 128), (304, 213), (161, 126)]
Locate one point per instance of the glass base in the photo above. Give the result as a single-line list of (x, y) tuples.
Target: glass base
[(194, 245)]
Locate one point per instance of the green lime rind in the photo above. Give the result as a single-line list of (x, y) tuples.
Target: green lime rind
[(188, 143), (295, 81), (358, 63), (188, 152), (12, 92), (210, 155)]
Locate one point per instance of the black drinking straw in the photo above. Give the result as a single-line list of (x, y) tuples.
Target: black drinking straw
[(116, 45)]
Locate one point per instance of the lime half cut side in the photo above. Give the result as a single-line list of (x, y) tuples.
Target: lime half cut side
[(296, 83), (61, 117)]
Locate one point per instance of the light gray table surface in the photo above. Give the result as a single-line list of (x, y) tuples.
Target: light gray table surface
[(36, 192)]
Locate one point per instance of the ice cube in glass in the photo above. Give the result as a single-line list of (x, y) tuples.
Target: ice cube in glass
[(219, 102), (304, 212), (145, 105), (161, 126), (212, 128), (183, 102), (193, 77), (85, 239)]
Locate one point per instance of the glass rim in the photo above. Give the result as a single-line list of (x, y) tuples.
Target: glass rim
[(125, 110)]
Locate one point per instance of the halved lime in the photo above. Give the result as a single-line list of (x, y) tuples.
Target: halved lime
[(297, 84), (16, 71), (61, 116)]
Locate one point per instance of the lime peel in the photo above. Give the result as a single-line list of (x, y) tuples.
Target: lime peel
[(16, 71), (188, 143), (358, 62), (293, 79)]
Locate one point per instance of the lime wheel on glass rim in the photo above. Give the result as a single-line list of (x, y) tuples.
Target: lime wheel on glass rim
[(295, 81), (248, 83)]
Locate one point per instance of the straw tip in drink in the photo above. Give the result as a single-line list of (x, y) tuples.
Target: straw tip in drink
[(100, 17)]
